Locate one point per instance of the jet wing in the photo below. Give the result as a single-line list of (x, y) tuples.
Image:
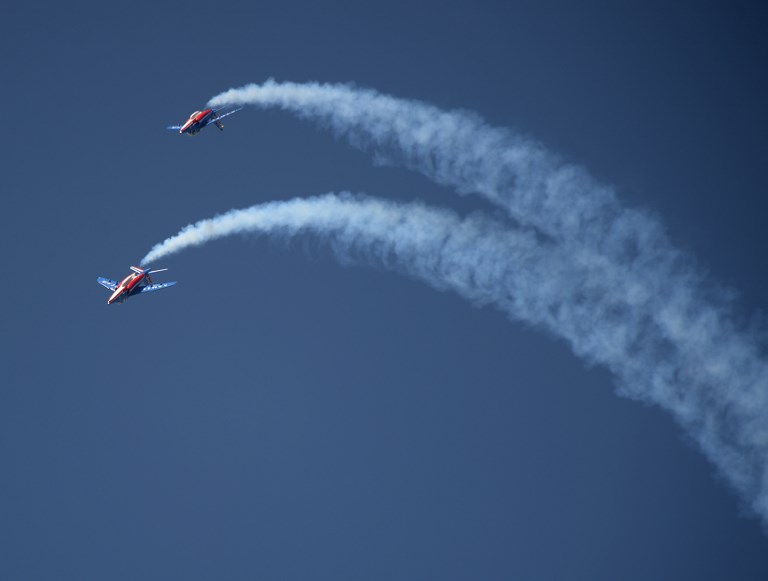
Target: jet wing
[(174, 127), (159, 286), (220, 117), (105, 282)]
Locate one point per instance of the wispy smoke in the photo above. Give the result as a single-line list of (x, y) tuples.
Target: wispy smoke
[(665, 331), (457, 148), (706, 374)]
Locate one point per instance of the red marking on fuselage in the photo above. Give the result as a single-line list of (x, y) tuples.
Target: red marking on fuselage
[(202, 115), (196, 121), (126, 286)]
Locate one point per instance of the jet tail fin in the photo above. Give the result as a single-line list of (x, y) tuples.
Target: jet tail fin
[(138, 270)]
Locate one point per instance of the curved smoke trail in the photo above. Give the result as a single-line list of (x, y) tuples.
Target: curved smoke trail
[(458, 149), (703, 369), (706, 374)]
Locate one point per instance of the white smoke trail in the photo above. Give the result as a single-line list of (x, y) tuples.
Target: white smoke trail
[(457, 148), (694, 364), (703, 369)]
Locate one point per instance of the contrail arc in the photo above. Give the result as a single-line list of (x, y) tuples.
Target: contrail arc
[(537, 189), (695, 365), (665, 330), (459, 149)]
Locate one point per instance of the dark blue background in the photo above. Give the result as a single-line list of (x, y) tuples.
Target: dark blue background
[(277, 416)]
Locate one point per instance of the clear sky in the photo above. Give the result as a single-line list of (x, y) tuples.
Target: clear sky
[(278, 416)]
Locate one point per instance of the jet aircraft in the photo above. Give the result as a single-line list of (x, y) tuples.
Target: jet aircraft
[(135, 283), (201, 119)]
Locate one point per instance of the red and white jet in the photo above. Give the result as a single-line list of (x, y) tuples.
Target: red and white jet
[(135, 283), (200, 119)]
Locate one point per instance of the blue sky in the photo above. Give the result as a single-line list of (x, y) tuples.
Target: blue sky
[(276, 415)]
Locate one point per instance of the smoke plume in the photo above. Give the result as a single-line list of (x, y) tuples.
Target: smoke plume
[(678, 349)]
